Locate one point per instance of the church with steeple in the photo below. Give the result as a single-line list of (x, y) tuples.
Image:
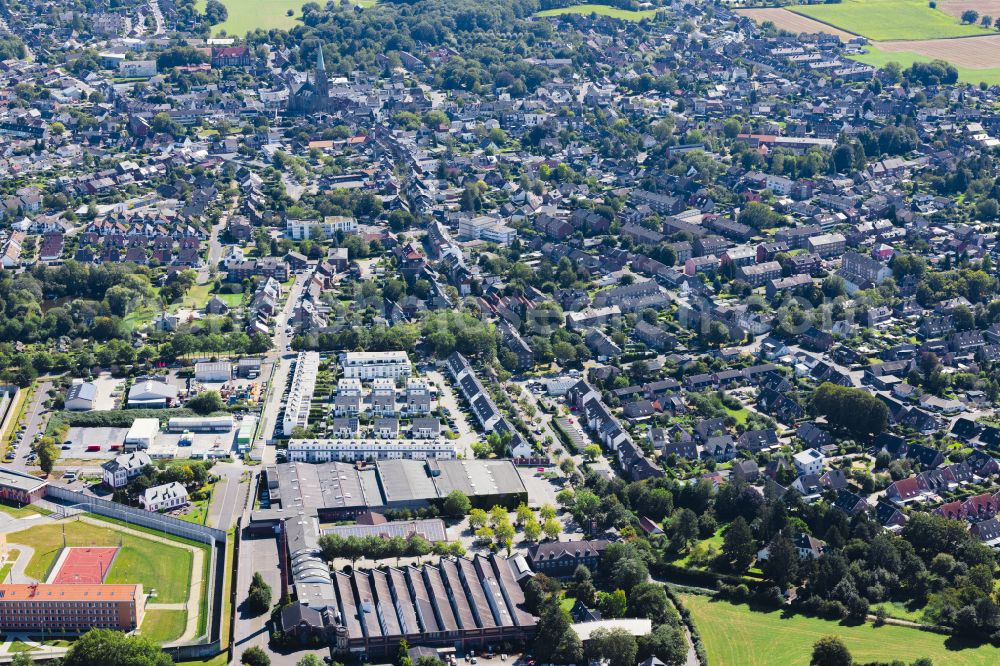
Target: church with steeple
[(314, 96)]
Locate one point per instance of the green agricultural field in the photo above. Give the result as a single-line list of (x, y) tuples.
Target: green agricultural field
[(887, 20), (734, 635), (603, 10), (990, 76), (159, 566), (164, 626), (248, 15)]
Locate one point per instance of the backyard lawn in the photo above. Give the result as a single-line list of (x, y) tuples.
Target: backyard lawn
[(603, 10), (740, 414), (140, 317), (159, 566), (734, 635), (887, 20), (200, 294)]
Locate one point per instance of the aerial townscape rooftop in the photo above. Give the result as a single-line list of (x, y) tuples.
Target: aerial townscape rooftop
[(551, 333)]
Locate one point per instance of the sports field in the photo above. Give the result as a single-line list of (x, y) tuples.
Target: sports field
[(155, 565), (82, 565), (886, 20), (603, 10), (734, 635)]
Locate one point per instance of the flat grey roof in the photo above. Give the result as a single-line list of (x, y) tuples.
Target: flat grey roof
[(477, 477), (329, 485), (22, 482), (405, 480), (336, 485)]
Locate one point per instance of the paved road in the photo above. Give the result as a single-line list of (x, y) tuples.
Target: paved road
[(214, 246), (161, 28), (229, 496), (278, 360), (35, 418), (467, 436), (260, 554)]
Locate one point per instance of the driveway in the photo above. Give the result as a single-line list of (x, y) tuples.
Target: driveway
[(229, 496), (256, 555), (467, 436)]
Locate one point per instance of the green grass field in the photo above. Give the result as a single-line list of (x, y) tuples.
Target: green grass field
[(248, 15), (12, 555), (167, 569), (885, 20), (741, 415), (21, 511), (990, 76), (164, 626), (603, 10), (734, 635)]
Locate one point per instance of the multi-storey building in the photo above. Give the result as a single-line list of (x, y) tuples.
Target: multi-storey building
[(332, 450), (70, 607), (827, 245), (301, 392), (416, 397), (369, 365), (383, 396), (164, 497), (329, 226)]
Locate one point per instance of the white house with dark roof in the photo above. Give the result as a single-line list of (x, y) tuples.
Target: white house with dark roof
[(118, 472)]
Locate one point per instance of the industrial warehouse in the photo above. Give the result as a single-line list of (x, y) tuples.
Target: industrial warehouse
[(337, 491), (461, 603)]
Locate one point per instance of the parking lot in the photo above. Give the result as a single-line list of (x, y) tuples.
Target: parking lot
[(109, 392), (540, 489)]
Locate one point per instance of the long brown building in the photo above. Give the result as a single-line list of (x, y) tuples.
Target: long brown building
[(66, 608)]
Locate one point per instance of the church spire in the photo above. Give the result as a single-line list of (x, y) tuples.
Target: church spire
[(321, 83), (320, 64)]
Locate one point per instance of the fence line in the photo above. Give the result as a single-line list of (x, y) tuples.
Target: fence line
[(206, 645)]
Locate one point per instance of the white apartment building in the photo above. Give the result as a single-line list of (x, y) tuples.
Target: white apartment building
[(329, 226), (487, 229), (349, 450), (369, 365), (300, 393)]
